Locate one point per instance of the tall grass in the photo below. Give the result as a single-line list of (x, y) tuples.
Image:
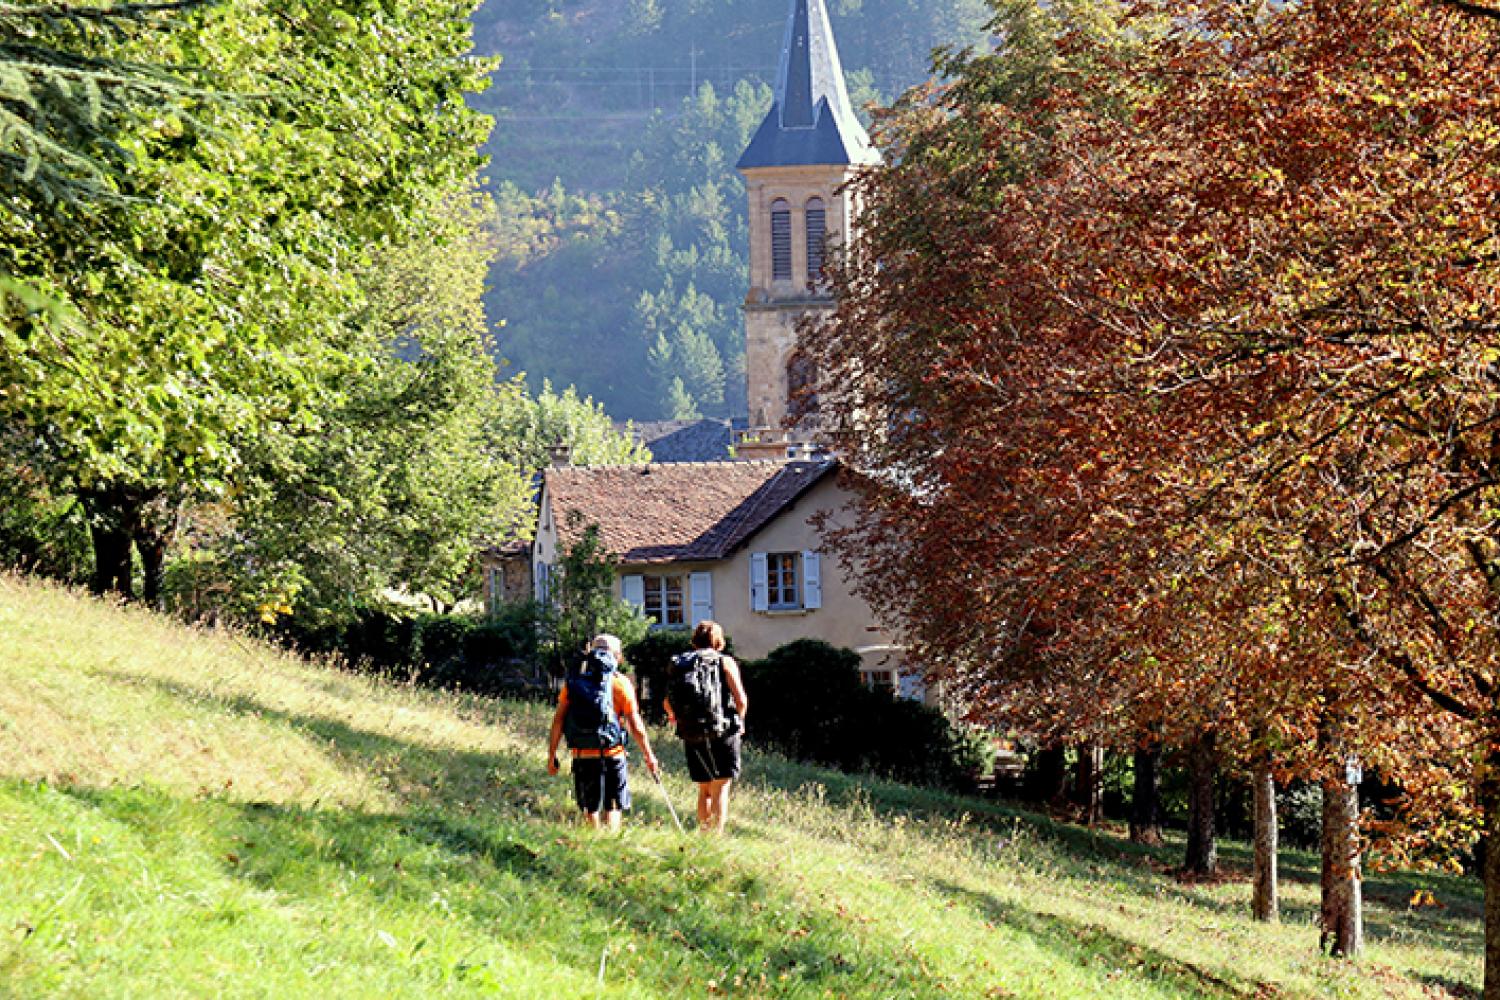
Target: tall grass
[(191, 814)]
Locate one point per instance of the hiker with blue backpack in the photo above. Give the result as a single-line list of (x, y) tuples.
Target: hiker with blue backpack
[(706, 702), (595, 709)]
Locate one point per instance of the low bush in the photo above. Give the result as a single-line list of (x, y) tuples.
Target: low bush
[(651, 656), (807, 701), (494, 654)]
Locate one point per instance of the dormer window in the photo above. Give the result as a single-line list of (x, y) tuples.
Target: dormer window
[(781, 240), (817, 239)]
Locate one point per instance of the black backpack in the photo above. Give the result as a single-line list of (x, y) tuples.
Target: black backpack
[(591, 723), (696, 691)]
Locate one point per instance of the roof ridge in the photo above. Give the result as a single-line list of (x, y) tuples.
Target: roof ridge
[(732, 463)]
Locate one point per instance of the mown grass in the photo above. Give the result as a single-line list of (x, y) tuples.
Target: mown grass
[(189, 814)]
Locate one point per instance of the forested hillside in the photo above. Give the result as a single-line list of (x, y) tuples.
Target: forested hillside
[(621, 218)]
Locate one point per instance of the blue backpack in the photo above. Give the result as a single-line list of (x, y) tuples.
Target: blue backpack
[(591, 723)]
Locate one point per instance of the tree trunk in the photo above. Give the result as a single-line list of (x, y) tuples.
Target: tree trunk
[(1264, 904), (1088, 784), (111, 528), (1049, 780), (1489, 804), (1202, 847), (153, 525), (1342, 908), (153, 550), (1145, 800)]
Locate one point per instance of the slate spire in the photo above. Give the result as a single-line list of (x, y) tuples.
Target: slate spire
[(812, 121)]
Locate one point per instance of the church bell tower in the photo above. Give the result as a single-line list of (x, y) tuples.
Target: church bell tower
[(795, 171)]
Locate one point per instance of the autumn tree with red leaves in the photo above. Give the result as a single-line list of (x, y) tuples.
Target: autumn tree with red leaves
[(1196, 351)]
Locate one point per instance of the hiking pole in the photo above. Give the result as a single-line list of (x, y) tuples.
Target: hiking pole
[(668, 799)]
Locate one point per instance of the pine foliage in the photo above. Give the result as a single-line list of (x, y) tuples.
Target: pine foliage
[(59, 98)]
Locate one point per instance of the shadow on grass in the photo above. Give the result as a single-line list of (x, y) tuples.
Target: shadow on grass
[(1083, 944), (1086, 854), (481, 830), (498, 813), (1452, 987)]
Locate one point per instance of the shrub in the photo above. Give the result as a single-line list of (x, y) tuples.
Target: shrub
[(41, 532), (650, 657), (808, 702), (1300, 810), (486, 655), (508, 634)]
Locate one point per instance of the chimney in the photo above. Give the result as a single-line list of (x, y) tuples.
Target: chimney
[(761, 444), (562, 455)]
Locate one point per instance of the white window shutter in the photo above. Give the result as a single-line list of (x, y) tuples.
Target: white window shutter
[(633, 590), (703, 597), (759, 596), (812, 581)]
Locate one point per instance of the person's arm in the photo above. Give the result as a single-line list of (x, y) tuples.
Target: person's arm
[(666, 706), (555, 737), (632, 722), (736, 687)]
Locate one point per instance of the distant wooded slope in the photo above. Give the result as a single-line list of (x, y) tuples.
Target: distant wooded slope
[(622, 223)]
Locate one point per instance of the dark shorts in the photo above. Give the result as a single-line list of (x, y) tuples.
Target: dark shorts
[(601, 784), (712, 760)]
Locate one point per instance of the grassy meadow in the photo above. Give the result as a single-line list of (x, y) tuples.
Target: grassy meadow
[(186, 814)]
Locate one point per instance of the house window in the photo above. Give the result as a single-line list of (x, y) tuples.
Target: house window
[(817, 239), (496, 588), (781, 240), (783, 581), (664, 601), (544, 582), (879, 680), (786, 581)]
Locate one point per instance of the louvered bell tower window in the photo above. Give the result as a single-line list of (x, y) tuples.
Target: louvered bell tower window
[(781, 241), (817, 238)]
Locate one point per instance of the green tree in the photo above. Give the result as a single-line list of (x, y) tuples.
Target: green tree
[(526, 429), (218, 300), (63, 95), (583, 602), (404, 481), (685, 207)]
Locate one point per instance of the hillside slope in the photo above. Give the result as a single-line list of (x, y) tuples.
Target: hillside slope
[(186, 814), (623, 248)]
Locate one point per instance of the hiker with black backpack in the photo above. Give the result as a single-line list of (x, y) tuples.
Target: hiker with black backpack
[(595, 709), (706, 702)]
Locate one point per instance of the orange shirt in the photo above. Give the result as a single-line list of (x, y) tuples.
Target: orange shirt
[(625, 704)]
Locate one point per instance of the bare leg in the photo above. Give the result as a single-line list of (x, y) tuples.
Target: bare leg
[(591, 820), (719, 804), (705, 805)]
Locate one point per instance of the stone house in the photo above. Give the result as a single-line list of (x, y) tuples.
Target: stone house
[(507, 576)]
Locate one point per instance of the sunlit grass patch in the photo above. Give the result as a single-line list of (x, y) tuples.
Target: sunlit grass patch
[(190, 814)]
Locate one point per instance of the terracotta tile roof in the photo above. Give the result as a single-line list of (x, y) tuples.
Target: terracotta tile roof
[(683, 512)]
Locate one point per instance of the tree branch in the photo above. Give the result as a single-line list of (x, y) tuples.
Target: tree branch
[(1467, 7), (1400, 659)]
